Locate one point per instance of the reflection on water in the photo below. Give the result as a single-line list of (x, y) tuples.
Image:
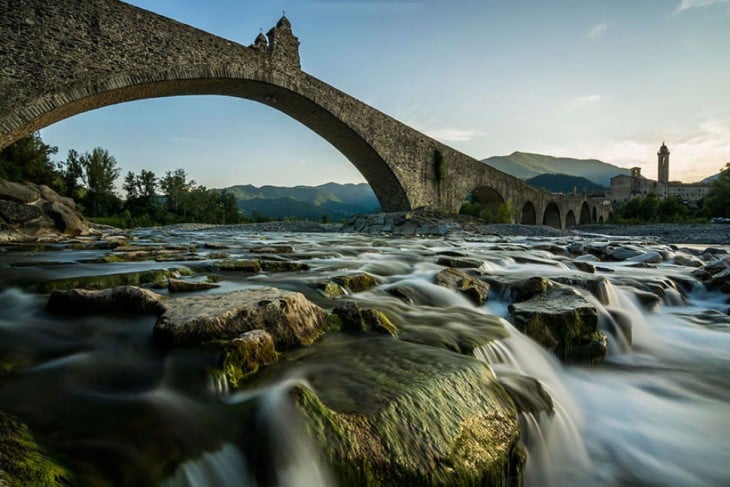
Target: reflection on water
[(120, 410)]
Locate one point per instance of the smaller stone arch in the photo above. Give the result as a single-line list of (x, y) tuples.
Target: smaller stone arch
[(600, 219), (594, 215), (570, 219), (585, 214), (551, 216), (488, 204), (529, 215)]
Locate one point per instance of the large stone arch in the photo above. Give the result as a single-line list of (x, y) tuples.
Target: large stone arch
[(551, 215), (121, 53), (208, 80), (529, 216), (570, 219), (585, 214)]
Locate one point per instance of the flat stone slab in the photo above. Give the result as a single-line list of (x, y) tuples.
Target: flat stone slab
[(122, 299), (289, 317)]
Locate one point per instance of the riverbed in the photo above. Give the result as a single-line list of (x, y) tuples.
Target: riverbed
[(119, 409)]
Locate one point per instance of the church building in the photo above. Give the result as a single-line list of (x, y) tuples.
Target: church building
[(627, 186)]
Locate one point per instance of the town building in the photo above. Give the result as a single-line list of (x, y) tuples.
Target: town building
[(627, 186)]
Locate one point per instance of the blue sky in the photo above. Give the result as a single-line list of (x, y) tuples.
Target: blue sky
[(606, 79)]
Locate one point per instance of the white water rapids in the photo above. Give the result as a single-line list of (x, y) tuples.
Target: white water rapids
[(655, 412)]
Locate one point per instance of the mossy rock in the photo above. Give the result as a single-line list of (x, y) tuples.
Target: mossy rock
[(354, 319), (157, 277), (252, 266), (282, 266), (471, 288), (331, 289), (564, 321), (356, 282), (393, 413), (23, 462), (244, 355)]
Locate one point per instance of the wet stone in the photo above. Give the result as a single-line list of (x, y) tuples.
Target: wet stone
[(244, 355), (287, 316), (184, 286), (473, 289), (354, 319), (356, 283), (564, 321), (122, 299), (272, 249)]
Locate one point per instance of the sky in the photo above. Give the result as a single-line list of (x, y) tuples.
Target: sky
[(604, 79)]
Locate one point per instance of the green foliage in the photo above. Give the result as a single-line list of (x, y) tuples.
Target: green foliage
[(29, 159), (717, 201), (99, 171), (503, 213), (439, 165), (653, 209)]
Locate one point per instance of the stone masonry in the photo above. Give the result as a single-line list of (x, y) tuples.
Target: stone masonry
[(59, 58)]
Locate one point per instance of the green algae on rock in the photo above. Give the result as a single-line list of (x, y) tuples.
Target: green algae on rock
[(471, 288), (139, 278), (354, 319), (23, 462), (356, 283), (564, 321), (387, 412), (244, 355)]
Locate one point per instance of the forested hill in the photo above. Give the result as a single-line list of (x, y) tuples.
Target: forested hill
[(525, 165), (563, 183), (331, 200)]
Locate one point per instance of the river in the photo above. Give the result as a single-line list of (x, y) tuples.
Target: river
[(119, 409)]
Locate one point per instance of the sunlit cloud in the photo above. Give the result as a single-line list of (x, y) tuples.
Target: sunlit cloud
[(581, 101), (694, 155), (690, 4), (598, 30)]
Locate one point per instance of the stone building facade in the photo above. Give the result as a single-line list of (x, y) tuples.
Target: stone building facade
[(626, 187)]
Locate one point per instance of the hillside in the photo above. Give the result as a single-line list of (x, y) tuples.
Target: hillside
[(336, 201), (525, 165), (563, 183)]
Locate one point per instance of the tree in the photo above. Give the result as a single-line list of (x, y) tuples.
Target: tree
[(717, 200), (29, 159), (175, 186), (99, 171), (71, 171)]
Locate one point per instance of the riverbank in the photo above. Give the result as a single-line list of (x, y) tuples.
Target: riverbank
[(671, 233)]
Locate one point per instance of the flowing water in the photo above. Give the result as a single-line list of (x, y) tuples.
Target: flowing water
[(118, 409)]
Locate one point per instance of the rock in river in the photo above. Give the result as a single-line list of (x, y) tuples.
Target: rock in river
[(244, 355), (121, 299), (564, 321), (473, 289), (288, 316), (411, 415)]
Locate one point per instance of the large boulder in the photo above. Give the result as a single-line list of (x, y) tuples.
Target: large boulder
[(15, 213), (19, 193), (564, 321), (288, 316), (471, 288), (412, 415), (122, 299), (65, 218)]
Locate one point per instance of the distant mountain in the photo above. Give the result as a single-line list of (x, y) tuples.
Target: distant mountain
[(525, 165), (563, 183), (336, 201)]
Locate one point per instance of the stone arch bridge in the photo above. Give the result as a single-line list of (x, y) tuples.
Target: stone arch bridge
[(59, 58)]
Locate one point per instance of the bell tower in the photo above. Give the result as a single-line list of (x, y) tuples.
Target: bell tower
[(663, 164)]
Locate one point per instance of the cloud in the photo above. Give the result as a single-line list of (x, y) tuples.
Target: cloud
[(695, 154), (451, 134), (690, 4), (581, 101), (598, 30)]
